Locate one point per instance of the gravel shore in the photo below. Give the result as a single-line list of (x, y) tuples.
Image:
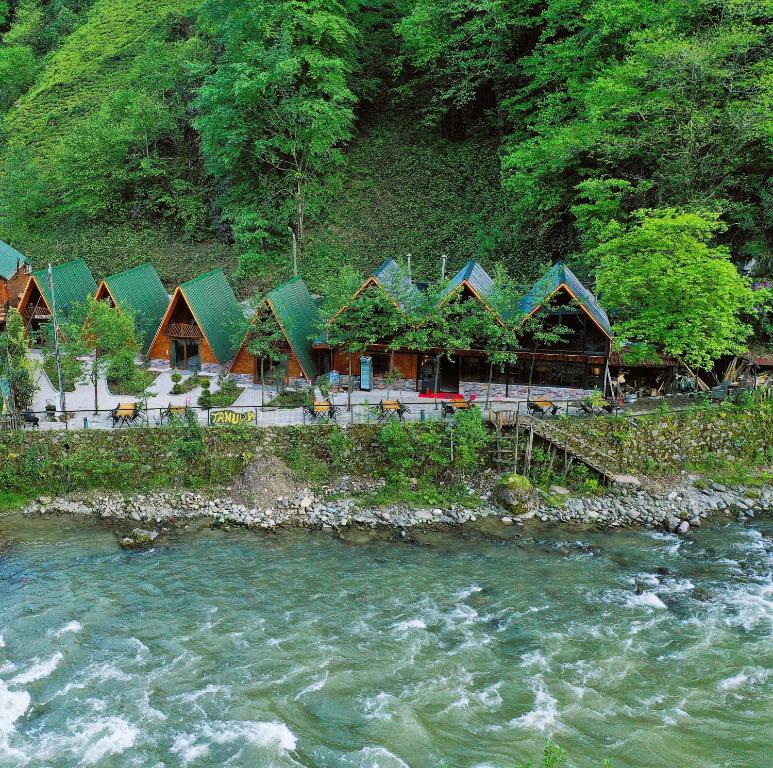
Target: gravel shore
[(677, 510)]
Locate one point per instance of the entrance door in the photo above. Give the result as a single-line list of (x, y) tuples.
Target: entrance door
[(449, 375), (184, 351)]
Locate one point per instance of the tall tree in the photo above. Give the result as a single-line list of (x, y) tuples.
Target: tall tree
[(673, 289), (14, 363), (275, 113), (103, 334), (264, 340)]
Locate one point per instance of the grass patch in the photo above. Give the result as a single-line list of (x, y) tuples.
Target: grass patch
[(187, 384), (424, 495), (293, 398), (223, 399), (733, 473), (144, 379), (10, 501), (68, 382)]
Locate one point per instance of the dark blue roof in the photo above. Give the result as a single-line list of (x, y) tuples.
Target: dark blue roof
[(559, 274), (397, 283), (475, 276)]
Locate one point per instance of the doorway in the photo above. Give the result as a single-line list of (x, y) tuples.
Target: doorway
[(185, 353)]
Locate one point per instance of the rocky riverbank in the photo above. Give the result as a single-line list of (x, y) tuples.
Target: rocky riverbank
[(677, 510)]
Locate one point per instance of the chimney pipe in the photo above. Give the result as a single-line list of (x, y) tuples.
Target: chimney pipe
[(443, 266)]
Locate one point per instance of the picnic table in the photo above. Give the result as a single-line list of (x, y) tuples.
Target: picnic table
[(125, 413), (541, 407), (386, 409), (596, 406), (321, 410)]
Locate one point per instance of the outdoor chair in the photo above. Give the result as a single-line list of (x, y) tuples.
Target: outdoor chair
[(173, 413), (596, 406), (386, 409), (125, 413), (541, 408), (320, 411), (28, 417)]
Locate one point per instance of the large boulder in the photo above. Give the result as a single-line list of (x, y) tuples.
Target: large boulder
[(516, 494), (139, 539)]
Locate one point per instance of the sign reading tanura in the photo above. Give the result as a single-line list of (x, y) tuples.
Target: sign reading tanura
[(232, 417)]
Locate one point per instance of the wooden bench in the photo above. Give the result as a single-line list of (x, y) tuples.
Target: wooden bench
[(125, 413)]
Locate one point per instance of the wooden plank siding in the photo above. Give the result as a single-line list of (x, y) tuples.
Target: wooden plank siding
[(407, 362)]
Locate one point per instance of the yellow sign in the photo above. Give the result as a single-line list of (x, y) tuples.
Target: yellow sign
[(232, 417)]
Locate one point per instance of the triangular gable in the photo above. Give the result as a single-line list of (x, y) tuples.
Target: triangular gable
[(140, 290), (217, 311), (477, 281), (296, 312), (73, 283), (560, 277), (213, 305), (392, 280)]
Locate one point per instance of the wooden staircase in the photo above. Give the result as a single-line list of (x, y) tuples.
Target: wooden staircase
[(573, 447)]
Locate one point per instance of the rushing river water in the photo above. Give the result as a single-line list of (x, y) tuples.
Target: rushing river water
[(235, 649)]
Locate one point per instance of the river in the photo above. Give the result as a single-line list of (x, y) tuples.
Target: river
[(228, 648)]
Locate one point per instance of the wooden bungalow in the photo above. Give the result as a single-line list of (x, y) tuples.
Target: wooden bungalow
[(139, 291), (296, 313), (581, 358), (73, 284), (398, 287), (14, 273), (201, 326)]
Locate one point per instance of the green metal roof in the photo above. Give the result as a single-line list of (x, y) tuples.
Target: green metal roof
[(9, 258), (296, 311), (73, 283), (475, 276), (217, 311), (559, 274), (140, 291)]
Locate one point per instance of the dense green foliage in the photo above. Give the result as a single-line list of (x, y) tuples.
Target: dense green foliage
[(15, 365), (506, 130)]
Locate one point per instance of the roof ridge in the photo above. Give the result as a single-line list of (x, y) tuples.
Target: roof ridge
[(202, 275)]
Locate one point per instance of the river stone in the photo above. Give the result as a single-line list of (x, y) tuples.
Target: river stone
[(684, 526), (138, 539), (516, 494)]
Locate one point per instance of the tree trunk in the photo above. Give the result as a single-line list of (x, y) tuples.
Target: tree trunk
[(262, 384), (96, 385), (437, 376), (488, 388), (349, 388)]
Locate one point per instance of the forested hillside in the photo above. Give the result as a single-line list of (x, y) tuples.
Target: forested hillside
[(209, 132)]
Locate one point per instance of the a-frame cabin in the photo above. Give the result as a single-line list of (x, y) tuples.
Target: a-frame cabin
[(296, 313), (202, 326), (139, 291), (73, 284), (580, 358), (397, 286)]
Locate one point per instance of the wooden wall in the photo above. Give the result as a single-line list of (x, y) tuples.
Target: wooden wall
[(244, 363), (405, 361), (162, 350)]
